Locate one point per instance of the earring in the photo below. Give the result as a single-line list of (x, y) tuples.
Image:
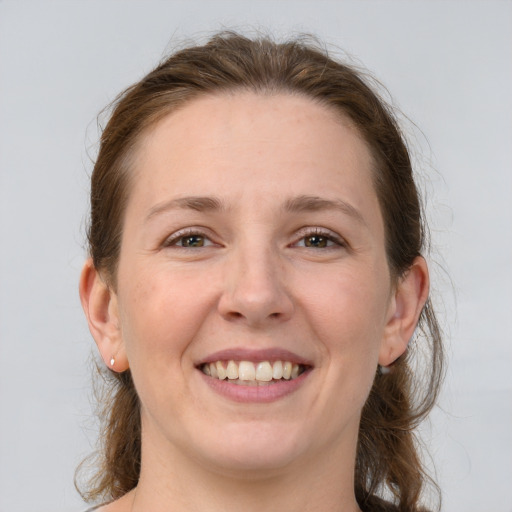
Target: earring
[(384, 370), (112, 362)]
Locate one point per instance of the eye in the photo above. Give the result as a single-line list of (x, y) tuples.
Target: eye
[(317, 241), (192, 241), (188, 240), (320, 239)]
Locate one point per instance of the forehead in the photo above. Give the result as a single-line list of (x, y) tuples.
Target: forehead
[(240, 142), (255, 155), (216, 118)]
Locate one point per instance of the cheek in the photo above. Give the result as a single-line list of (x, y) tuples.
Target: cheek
[(348, 313), (347, 307), (160, 314), (159, 317)]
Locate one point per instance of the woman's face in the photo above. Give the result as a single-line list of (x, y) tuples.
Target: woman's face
[(253, 235)]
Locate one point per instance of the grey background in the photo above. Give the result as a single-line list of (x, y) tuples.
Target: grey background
[(448, 66)]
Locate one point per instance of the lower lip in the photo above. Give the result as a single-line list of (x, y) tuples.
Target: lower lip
[(255, 394)]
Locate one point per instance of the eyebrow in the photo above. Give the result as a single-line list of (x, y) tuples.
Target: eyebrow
[(197, 203), (306, 203), (303, 203)]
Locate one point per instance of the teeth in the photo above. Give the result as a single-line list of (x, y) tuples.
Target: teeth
[(232, 370), (248, 372), (277, 370), (221, 372), (264, 371)]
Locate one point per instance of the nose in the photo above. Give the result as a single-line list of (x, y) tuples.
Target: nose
[(254, 288)]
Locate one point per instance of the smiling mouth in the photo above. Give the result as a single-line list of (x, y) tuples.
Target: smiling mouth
[(247, 373)]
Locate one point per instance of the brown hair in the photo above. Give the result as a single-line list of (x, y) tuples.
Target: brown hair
[(387, 465)]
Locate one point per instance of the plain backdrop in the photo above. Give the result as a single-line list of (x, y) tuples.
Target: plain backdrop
[(448, 66)]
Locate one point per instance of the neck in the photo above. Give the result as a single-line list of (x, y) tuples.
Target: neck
[(178, 483)]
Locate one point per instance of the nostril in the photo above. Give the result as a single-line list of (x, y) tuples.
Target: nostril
[(255, 305)]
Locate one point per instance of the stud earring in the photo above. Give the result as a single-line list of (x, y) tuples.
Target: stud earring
[(112, 362), (383, 370)]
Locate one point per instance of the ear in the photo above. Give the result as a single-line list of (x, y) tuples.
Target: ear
[(100, 305), (408, 300)]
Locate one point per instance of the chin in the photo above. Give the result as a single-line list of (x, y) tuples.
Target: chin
[(254, 450)]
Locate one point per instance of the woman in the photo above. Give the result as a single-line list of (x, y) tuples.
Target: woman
[(255, 281)]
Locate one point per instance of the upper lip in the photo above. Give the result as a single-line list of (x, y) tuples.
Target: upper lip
[(255, 355)]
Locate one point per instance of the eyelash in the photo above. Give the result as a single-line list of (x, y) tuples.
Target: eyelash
[(173, 240), (330, 237)]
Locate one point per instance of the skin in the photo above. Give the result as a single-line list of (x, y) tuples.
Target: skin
[(257, 282)]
